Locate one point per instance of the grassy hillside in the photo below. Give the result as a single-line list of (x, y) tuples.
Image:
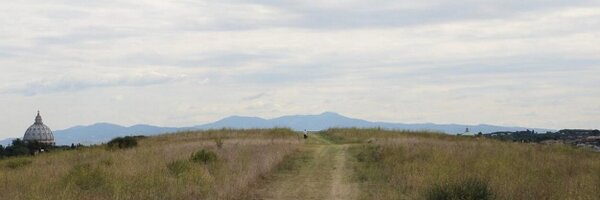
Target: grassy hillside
[(278, 164), (410, 165), (159, 168)]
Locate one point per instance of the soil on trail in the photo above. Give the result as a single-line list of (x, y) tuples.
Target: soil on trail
[(321, 170)]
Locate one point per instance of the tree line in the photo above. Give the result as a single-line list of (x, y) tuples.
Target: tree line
[(19, 147), (532, 136)]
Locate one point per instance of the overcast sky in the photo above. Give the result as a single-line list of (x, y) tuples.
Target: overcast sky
[(176, 63)]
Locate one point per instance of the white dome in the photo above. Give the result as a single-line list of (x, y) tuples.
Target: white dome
[(39, 132)]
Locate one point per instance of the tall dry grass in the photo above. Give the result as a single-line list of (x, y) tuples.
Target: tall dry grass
[(412, 165), (159, 168)]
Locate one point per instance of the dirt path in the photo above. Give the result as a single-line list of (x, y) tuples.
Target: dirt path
[(321, 171), (342, 188)]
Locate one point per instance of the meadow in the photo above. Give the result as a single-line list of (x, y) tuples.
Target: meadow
[(333, 164), (418, 165), (159, 167)]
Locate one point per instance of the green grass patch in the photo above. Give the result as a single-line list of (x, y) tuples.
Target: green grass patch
[(369, 153), (368, 166), (86, 177), (179, 167), (294, 161), (204, 156), (368, 135), (334, 138), (469, 189)]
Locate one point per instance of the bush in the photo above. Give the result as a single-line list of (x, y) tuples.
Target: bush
[(219, 142), (178, 167), (370, 153), (17, 163), (86, 177), (17, 151), (204, 156), (123, 142), (470, 189)]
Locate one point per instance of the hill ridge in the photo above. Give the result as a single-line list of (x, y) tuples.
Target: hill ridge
[(103, 131)]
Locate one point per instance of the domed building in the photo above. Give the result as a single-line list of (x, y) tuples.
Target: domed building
[(39, 132)]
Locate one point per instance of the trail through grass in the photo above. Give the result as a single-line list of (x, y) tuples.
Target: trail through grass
[(277, 164), (320, 170)]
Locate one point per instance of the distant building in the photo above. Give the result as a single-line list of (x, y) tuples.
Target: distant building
[(39, 132), (466, 133)]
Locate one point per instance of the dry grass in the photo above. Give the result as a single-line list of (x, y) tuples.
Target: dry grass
[(408, 165), (146, 172), (386, 165)]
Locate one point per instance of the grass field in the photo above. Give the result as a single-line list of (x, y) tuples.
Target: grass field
[(334, 164), (410, 165), (159, 168)]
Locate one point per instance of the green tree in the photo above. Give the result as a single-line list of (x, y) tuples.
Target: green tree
[(123, 142), (18, 150), (18, 142)]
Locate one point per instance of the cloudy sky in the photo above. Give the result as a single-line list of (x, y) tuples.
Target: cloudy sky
[(176, 63)]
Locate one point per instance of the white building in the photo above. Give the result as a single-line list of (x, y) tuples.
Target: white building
[(39, 132)]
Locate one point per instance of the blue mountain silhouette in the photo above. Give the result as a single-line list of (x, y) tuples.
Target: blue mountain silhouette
[(103, 132)]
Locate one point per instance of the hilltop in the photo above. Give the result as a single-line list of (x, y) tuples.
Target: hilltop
[(278, 164), (102, 132)]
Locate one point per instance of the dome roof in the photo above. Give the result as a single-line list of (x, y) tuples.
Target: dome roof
[(39, 132)]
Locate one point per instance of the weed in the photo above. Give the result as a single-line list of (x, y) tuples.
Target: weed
[(178, 167), (86, 177), (204, 156), (469, 189), (219, 142), (294, 161), (370, 153)]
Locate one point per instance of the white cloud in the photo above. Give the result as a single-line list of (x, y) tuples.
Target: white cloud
[(74, 83), (188, 62)]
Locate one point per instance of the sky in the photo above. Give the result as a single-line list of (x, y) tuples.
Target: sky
[(180, 63)]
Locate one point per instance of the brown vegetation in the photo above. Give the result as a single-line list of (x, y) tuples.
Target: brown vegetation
[(409, 165), (158, 168), (279, 164)]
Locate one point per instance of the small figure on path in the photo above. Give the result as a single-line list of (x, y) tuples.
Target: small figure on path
[(305, 134)]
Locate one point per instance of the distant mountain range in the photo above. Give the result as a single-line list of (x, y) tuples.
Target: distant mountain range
[(103, 132)]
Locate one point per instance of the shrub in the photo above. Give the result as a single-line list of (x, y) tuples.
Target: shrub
[(17, 163), (86, 177), (370, 153), (17, 151), (178, 167), (219, 142), (204, 156), (123, 142), (469, 189)]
